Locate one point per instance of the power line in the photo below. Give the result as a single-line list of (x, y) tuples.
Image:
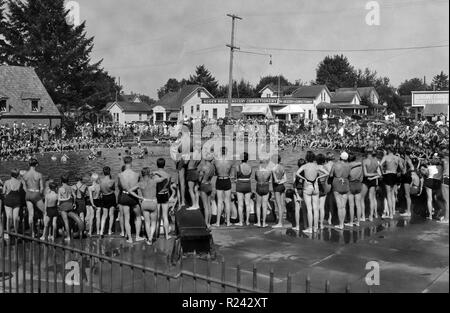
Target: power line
[(346, 50)]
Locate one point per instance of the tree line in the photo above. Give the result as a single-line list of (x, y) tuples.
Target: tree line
[(334, 71)]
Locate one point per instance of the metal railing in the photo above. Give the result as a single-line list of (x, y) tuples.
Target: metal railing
[(29, 265)]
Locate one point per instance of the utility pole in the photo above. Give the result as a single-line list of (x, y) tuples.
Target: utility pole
[(232, 48)]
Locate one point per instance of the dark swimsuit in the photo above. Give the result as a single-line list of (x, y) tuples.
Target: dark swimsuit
[(80, 202), (109, 201), (52, 212), (127, 200), (13, 199), (243, 183), (162, 191), (223, 183), (262, 189)]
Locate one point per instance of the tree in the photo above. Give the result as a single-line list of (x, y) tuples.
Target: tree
[(242, 90), (271, 80), (172, 85), (366, 78), (336, 72), (205, 79), (440, 81), (3, 29), (414, 84), (39, 36)]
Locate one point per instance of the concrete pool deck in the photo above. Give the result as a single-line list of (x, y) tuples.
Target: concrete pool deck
[(413, 256)]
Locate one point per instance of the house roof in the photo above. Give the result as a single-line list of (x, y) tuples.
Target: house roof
[(130, 106), (309, 91), (19, 84), (363, 91), (174, 100), (286, 90), (344, 96)]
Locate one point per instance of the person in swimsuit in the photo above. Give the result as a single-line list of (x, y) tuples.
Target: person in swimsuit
[(206, 175), (109, 201), (147, 194), (263, 176), (34, 187), (12, 201), (444, 189), (311, 173), (51, 213), (406, 180), (324, 186), (244, 189), (95, 203), (354, 194), (223, 186), (433, 184), (129, 179), (298, 196), (328, 167), (180, 163), (80, 191), (192, 179), (371, 174), (163, 182), (65, 203), (340, 174), (390, 164), (278, 180)]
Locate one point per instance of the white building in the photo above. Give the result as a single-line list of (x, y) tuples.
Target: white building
[(183, 104), (128, 112), (316, 95), (430, 103)]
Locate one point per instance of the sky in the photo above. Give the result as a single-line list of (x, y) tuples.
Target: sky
[(146, 42)]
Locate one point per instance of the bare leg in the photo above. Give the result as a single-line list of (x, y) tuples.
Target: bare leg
[(16, 219), (98, 220), (247, 207), (373, 202), (280, 206), (126, 213), (138, 223), (315, 207), (228, 207), (182, 183), (408, 198), (30, 208), (220, 200), (103, 223), (358, 203), (297, 215), (265, 205), (111, 220), (351, 202), (309, 208), (121, 221), (364, 192), (66, 225), (240, 197), (445, 195), (321, 211), (430, 203), (258, 210), (165, 216), (207, 207)]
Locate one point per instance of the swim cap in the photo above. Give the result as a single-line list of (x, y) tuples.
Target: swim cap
[(94, 176), (344, 156)]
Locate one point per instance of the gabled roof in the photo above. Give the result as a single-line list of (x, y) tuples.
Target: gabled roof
[(286, 90), (363, 91), (344, 96), (174, 100), (129, 98), (135, 107), (309, 91), (18, 85)]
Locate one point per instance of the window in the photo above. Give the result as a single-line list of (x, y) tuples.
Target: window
[(198, 107), (2, 105), (206, 113), (215, 114), (34, 106), (310, 114), (199, 93), (159, 117), (192, 110), (140, 117)]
